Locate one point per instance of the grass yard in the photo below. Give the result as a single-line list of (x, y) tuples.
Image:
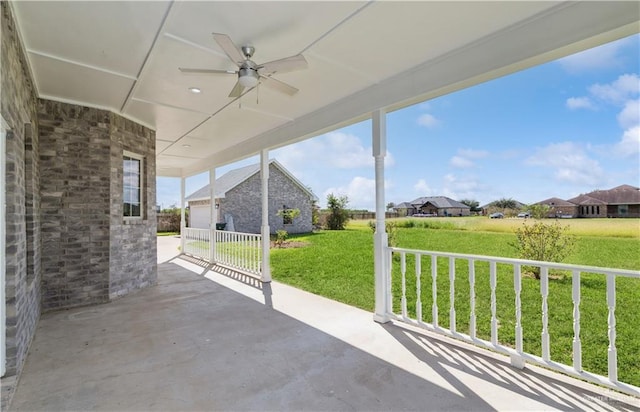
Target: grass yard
[(339, 265)]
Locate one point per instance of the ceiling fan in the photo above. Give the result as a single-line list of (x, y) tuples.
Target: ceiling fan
[(250, 73)]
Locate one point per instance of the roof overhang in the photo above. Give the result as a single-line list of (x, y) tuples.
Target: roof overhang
[(363, 56)]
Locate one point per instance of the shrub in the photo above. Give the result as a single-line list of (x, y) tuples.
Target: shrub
[(539, 211), (543, 242), (338, 213), (281, 237), (392, 232)]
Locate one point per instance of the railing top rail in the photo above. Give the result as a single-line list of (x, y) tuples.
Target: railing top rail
[(555, 265)]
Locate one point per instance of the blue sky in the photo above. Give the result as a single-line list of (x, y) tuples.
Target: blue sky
[(557, 130)]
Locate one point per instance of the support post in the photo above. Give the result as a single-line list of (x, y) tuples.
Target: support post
[(183, 221), (380, 241), (213, 217), (265, 230)]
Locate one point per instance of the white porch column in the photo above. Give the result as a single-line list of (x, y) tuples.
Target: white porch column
[(380, 241), (183, 222), (213, 217), (266, 231)]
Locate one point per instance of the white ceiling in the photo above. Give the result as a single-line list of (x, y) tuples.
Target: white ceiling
[(124, 56)]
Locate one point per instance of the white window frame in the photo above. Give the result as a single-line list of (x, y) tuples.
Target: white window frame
[(135, 156)]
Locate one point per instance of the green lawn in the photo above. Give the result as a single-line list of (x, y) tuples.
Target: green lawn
[(339, 265)]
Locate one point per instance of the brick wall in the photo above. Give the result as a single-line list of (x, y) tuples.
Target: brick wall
[(132, 257), (245, 205), (74, 156), (22, 288)]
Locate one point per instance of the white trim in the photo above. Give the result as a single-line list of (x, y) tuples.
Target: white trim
[(3, 303), (139, 157)]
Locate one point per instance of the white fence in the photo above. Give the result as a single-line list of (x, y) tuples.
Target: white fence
[(196, 242), (239, 251), (242, 251), (479, 279)]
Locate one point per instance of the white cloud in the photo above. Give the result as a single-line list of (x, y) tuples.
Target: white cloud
[(630, 114), (568, 162), (461, 162), (460, 187), (575, 103), (428, 120), (630, 143), (360, 191), (335, 149), (473, 154), (603, 57), (619, 91), (422, 188)]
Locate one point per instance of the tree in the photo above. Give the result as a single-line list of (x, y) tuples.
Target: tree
[(338, 213), (539, 211), (474, 205), (315, 213), (288, 215), (506, 203), (543, 242), (390, 205)]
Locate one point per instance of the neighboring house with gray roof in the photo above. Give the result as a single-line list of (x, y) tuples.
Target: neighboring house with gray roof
[(238, 199), (433, 206)]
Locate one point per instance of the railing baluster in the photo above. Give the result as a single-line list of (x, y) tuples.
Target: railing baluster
[(494, 318), (612, 351), (452, 294), (577, 345), (434, 289), (544, 290), (403, 271), (472, 296), (418, 287), (517, 283)]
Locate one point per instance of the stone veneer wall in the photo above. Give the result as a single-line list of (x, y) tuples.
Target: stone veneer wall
[(244, 202), (133, 253), (22, 288)]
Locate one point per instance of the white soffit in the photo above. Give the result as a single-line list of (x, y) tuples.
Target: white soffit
[(362, 56)]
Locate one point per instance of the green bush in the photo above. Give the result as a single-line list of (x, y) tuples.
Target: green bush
[(338, 213), (281, 237), (543, 242)]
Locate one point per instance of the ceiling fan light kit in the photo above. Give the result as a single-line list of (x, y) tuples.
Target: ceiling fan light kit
[(249, 73)]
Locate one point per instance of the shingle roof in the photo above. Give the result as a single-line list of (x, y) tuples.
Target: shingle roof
[(586, 200), (555, 201), (403, 205), (623, 194), (441, 202), (234, 177)]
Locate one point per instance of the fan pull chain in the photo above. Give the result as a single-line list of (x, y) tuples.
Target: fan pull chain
[(258, 94)]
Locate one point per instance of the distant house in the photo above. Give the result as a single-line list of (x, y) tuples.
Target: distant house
[(238, 201), (621, 201), (433, 206), (491, 207), (559, 207)]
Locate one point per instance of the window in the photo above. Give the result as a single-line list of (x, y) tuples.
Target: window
[(132, 185), (623, 209)]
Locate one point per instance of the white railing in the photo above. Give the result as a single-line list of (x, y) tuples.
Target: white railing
[(196, 242), (242, 251), (480, 270), (239, 251)]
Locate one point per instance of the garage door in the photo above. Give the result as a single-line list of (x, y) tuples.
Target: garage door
[(199, 217)]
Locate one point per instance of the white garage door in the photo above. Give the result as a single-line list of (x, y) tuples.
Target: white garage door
[(199, 217)]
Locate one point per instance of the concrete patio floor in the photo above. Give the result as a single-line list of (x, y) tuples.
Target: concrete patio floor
[(203, 340)]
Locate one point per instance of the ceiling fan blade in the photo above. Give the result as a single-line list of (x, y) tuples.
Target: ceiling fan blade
[(287, 64), (237, 90), (206, 71), (278, 85), (229, 48)]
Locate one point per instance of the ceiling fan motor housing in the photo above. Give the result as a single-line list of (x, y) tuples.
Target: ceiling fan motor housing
[(248, 74)]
